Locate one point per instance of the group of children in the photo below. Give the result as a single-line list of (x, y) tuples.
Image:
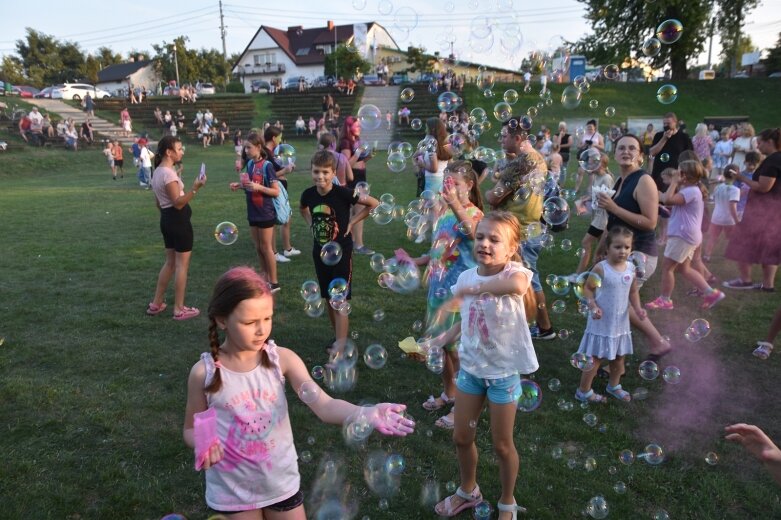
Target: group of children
[(142, 159)]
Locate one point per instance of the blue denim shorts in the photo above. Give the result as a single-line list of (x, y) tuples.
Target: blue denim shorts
[(499, 391), (530, 251)]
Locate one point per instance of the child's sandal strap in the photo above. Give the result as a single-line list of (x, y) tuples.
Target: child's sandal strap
[(474, 495)]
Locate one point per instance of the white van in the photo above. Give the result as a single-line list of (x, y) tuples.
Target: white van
[(707, 74)]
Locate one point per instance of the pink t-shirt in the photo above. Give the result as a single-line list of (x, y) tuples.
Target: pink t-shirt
[(161, 177), (686, 220)]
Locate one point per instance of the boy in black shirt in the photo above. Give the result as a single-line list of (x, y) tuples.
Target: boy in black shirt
[(326, 208)]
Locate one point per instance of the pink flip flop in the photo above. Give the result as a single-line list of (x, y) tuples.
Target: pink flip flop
[(186, 313), (154, 310)]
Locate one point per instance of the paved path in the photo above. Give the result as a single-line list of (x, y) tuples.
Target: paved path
[(102, 128), (384, 98)]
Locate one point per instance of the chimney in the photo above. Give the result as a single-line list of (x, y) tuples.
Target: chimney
[(295, 29)]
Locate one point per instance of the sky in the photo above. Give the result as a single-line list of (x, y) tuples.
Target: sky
[(435, 24)]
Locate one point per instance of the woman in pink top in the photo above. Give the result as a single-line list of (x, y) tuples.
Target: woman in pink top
[(175, 213)]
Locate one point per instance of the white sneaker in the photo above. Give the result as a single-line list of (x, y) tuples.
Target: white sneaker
[(281, 258), (291, 252)]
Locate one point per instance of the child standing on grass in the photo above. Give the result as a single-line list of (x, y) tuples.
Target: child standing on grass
[(725, 210), (608, 336), (496, 346), (249, 457), (684, 234), (326, 209), (260, 187), (554, 161), (116, 152), (450, 255), (602, 180), (749, 167), (108, 151)]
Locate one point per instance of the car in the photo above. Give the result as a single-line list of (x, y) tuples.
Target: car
[(324, 81), (26, 91), (741, 75), (398, 79), (292, 83), (77, 91), (259, 85), (206, 89), (426, 78), (372, 80), (44, 94), (775, 75)]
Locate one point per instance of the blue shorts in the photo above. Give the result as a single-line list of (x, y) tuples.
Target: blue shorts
[(530, 252), (499, 391)]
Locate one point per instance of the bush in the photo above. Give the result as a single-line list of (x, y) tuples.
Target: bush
[(235, 87)]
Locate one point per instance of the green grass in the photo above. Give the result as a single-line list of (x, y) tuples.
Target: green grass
[(94, 390)]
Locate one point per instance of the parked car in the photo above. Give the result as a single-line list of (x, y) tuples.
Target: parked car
[(324, 81), (77, 91), (426, 78), (44, 94), (259, 85), (398, 79), (206, 89), (171, 90), (372, 80), (775, 75), (292, 83), (741, 75), (26, 91)]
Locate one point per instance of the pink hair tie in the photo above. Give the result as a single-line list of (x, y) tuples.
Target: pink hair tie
[(217, 364)]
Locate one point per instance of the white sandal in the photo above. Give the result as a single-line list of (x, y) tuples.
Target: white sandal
[(432, 405), (512, 508)]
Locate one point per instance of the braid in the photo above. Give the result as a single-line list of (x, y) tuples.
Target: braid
[(214, 343)]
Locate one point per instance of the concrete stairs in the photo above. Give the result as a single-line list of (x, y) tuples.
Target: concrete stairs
[(384, 98), (102, 128)]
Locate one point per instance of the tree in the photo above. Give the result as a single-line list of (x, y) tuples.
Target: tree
[(773, 60), (418, 59), (348, 61), (12, 71), (727, 65), (621, 26), (194, 65), (731, 18)]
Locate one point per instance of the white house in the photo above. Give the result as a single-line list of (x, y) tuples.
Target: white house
[(138, 73), (282, 55)]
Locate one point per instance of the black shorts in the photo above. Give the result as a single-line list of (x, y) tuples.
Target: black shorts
[(177, 229), (119, 162), (594, 232), (327, 273), (285, 505), (265, 224), (359, 175)]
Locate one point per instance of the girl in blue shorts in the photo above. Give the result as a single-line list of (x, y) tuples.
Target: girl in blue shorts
[(495, 348)]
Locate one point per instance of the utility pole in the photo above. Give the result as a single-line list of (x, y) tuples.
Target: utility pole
[(336, 59), (222, 35), (710, 43), (176, 65)]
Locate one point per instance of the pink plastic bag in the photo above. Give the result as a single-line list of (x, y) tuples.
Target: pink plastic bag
[(205, 430)]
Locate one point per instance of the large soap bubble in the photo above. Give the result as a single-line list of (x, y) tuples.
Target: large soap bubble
[(370, 117)]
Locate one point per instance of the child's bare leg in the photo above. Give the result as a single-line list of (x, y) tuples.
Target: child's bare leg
[(587, 242), (502, 423), (616, 371), (587, 377), (467, 414)]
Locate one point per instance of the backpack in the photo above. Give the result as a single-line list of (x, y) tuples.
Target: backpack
[(281, 201)]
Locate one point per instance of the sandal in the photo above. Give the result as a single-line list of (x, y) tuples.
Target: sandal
[(445, 422), (619, 393), (590, 397), (510, 508), (186, 313), (468, 500), (154, 310), (435, 403)]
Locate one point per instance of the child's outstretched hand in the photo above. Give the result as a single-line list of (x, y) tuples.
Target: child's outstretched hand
[(388, 419), (211, 457), (755, 441), (234, 186)]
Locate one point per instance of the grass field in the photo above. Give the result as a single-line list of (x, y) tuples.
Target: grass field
[(94, 390)]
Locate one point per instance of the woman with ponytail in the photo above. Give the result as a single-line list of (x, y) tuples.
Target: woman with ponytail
[(174, 205)]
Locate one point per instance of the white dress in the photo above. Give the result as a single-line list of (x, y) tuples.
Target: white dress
[(611, 335)]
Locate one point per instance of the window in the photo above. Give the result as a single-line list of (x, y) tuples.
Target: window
[(302, 51), (268, 58)]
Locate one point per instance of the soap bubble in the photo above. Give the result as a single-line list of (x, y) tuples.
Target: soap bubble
[(285, 155), (331, 253), (667, 94), (382, 214), (435, 359), (594, 104), (308, 392), (711, 458), (560, 285), (337, 287), (665, 157), (648, 370), (396, 162), (379, 315), (532, 112), (376, 262), (379, 472), (640, 394), (511, 96), (559, 306), (593, 280), (597, 507), (610, 112), (310, 291), (581, 361), (672, 375), (407, 95), (590, 464), (306, 456), (611, 71), (653, 454), (503, 111), (314, 309), (482, 511), (417, 326), (531, 396), (555, 211), (554, 385), (448, 101), (416, 124), (626, 457), (661, 514), (590, 419), (566, 244), (429, 493), (571, 97), (359, 5), (697, 330), (669, 31), (651, 47), (375, 356), (590, 159), (317, 372), (370, 117), (619, 487), (226, 233), (563, 334)]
